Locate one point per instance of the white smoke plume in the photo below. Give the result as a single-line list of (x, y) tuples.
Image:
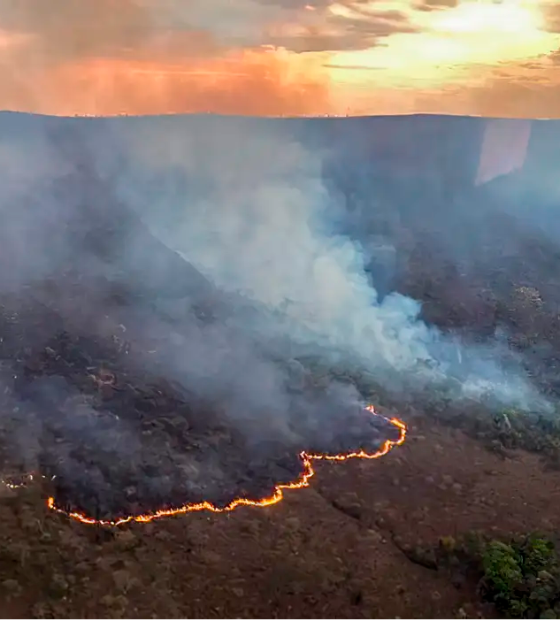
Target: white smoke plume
[(247, 205)]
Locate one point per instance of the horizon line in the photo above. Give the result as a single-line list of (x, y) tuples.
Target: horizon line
[(274, 116)]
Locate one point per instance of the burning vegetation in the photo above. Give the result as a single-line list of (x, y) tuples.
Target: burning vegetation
[(138, 383), (118, 445), (119, 374), (277, 496)]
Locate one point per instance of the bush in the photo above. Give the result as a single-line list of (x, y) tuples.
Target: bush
[(522, 578), (502, 569)]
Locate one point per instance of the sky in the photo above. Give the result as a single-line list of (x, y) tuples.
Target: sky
[(281, 57)]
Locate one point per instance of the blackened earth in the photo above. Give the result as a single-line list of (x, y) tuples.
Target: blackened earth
[(86, 408)]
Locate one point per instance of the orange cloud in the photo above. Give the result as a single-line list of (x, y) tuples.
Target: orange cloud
[(279, 57), (125, 56), (242, 83)]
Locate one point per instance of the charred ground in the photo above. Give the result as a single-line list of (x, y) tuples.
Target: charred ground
[(66, 357), (92, 403)]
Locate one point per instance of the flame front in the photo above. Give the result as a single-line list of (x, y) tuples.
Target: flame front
[(275, 498)]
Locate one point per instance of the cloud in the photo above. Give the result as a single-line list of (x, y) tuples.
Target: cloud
[(436, 5), (295, 25), (72, 28), (554, 58), (271, 57), (84, 56), (551, 14), (65, 29), (344, 27), (512, 91), (241, 83)]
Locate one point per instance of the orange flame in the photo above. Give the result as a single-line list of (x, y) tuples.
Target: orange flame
[(275, 498)]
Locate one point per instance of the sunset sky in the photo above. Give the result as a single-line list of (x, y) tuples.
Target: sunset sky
[(281, 57)]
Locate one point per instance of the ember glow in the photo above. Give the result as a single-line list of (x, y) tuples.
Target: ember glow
[(275, 498), (20, 481)]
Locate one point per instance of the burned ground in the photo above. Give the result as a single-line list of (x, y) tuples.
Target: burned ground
[(77, 363), (116, 435), (90, 395)]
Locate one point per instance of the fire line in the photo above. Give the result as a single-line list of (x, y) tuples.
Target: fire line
[(275, 498)]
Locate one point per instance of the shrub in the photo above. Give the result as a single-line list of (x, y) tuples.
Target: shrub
[(522, 578)]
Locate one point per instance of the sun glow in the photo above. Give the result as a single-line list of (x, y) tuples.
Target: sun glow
[(450, 44), (480, 17), (328, 58)]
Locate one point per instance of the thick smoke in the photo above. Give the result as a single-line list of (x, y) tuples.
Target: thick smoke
[(91, 294), (248, 207), (102, 224)]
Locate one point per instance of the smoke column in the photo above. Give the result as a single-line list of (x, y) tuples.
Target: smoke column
[(248, 202), (248, 207)]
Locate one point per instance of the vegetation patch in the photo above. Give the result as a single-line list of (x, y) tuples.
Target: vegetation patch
[(520, 576)]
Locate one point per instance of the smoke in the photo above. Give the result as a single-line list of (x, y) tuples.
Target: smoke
[(213, 269), (92, 293), (248, 206)]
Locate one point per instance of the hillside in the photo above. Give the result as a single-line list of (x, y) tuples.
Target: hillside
[(148, 359)]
